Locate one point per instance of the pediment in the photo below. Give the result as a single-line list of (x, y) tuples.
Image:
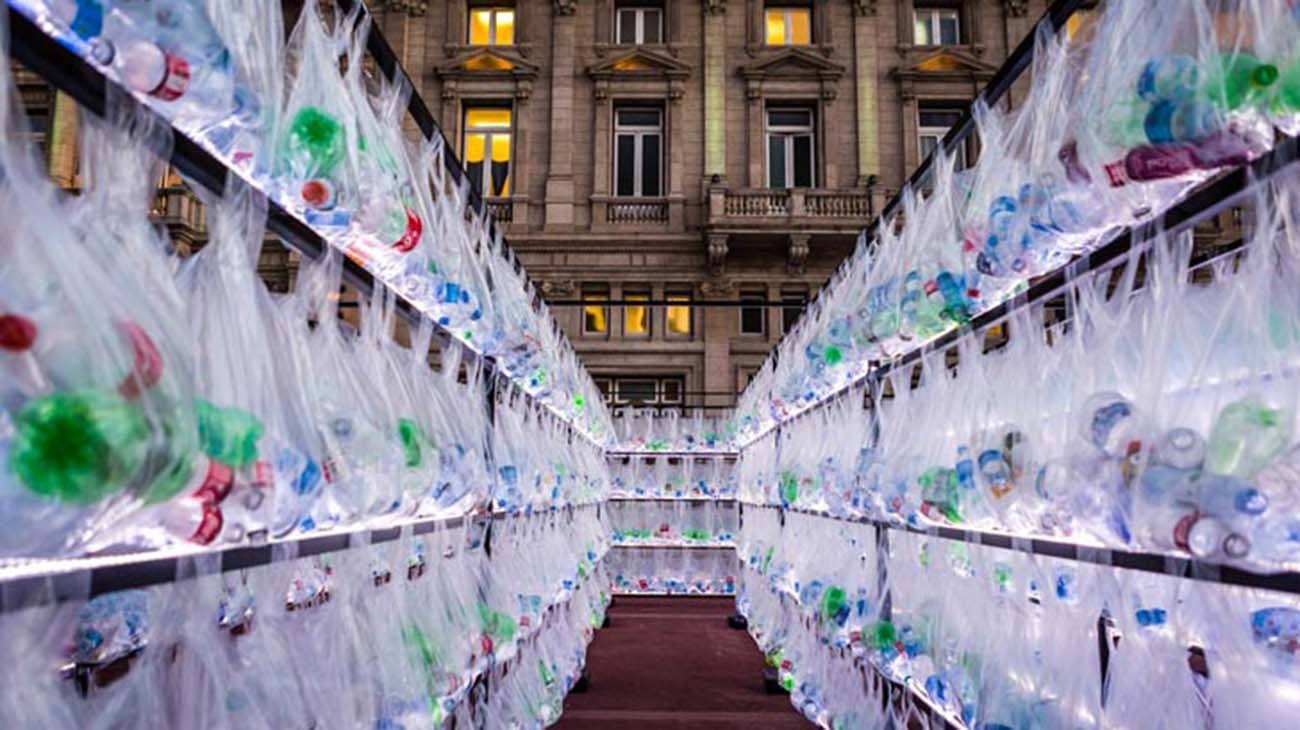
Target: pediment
[(792, 62), (946, 62), (640, 62), (489, 61)]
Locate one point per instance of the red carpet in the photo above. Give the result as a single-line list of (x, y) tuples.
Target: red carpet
[(673, 663)]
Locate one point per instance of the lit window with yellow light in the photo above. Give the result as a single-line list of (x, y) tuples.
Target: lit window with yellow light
[(678, 316), (636, 317), (788, 26), (487, 150), (595, 314), (493, 26)]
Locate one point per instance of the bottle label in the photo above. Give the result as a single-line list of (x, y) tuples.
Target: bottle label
[(209, 526), (216, 481), (175, 81)]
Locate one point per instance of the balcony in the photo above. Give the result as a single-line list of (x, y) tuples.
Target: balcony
[(183, 214), (651, 214), (832, 211), (637, 210), (502, 210)]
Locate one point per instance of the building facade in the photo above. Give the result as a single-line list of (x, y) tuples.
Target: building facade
[(678, 176)]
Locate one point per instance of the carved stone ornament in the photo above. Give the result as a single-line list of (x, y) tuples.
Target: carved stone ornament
[(554, 289), (798, 252), (564, 7), (717, 250), (864, 7), (715, 7), (718, 288), (1016, 8), (410, 7)]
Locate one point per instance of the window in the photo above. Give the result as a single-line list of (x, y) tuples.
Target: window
[(595, 317), (753, 315), (936, 26), (678, 318), (491, 26), (788, 26), (933, 124), (638, 22), (638, 156), (790, 148), (647, 390), (792, 303), (487, 150), (636, 317)]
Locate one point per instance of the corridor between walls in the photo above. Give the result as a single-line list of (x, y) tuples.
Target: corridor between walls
[(673, 663)]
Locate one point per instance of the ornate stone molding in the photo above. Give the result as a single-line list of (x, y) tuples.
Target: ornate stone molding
[(564, 7), (864, 7), (717, 251), (719, 288), (715, 7), (1016, 8), (558, 289), (797, 253), (796, 66)]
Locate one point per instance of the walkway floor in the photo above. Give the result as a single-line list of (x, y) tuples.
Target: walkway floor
[(672, 663)]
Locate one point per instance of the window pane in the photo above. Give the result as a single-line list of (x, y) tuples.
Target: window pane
[(595, 320), (505, 28), (650, 164), (789, 118), (751, 318), (679, 318), (638, 117), (500, 178), (636, 391), (625, 165), (636, 319), (803, 161), (776, 161), (928, 143), (627, 26), (948, 30), (653, 22), (921, 29), (800, 26), (791, 311), (487, 118), (480, 22), (939, 117), (672, 391), (775, 27)]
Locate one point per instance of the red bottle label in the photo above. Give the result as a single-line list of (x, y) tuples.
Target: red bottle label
[(210, 526), (216, 484), (175, 81), (409, 239)]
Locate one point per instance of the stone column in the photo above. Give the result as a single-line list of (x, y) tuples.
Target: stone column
[(719, 326), (715, 89), (559, 177), (865, 91), (754, 126)]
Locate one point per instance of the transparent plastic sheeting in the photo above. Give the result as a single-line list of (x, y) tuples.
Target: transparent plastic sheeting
[(479, 629), (149, 400), (648, 430), (991, 638), (1129, 108), (285, 118), (672, 478), (673, 523), (673, 570), (1159, 418)]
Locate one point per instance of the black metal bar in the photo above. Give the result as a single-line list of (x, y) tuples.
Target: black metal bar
[(1003, 79), (1179, 566), (666, 303)]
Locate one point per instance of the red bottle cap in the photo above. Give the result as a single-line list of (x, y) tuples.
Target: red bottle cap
[(17, 333)]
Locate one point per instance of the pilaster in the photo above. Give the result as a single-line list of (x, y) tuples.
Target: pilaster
[(559, 176)]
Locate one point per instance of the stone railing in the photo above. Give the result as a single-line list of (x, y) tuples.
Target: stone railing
[(852, 207), (757, 203), (177, 207), (637, 210)]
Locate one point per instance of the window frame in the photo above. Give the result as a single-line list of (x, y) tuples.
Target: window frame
[(686, 298), (637, 295), (792, 300), (489, 132), (923, 131), (789, 133), (492, 9), (933, 15), (596, 295), (638, 132), (659, 399), (787, 10), (640, 9), (753, 295)]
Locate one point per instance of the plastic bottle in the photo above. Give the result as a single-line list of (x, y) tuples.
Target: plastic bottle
[(1168, 77), (1247, 435), (1236, 80), (1184, 120)]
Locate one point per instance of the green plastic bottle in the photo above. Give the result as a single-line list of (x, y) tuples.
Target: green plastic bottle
[(1247, 435), (318, 137), (79, 446), (413, 441), (1287, 98), (228, 435), (832, 602), (1236, 80)]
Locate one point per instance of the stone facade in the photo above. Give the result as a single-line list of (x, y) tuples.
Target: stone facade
[(713, 231)]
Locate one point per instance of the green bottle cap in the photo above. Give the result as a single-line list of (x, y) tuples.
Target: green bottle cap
[(79, 446), (1264, 75)]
